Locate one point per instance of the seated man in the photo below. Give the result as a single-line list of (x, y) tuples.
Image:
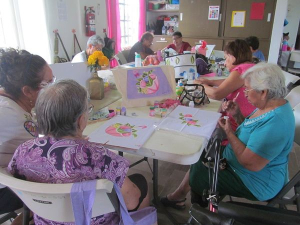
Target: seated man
[(253, 42), (94, 43), (142, 47), (178, 45)]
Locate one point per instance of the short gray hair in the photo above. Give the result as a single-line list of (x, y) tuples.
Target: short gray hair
[(59, 106), (267, 76), (95, 40)]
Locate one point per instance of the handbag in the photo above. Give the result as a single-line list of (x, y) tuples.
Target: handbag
[(195, 93), (145, 216)]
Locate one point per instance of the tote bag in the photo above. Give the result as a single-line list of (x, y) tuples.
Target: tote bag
[(145, 216)]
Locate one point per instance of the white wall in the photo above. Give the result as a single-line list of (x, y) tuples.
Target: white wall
[(74, 20), (293, 16), (280, 14)]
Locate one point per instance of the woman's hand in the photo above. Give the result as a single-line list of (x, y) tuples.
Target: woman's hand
[(225, 125), (231, 108)]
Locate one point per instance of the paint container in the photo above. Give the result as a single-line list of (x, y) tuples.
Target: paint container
[(152, 111), (118, 111), (123, 111)]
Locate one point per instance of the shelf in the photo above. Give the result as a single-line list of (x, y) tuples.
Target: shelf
[(163, 10)]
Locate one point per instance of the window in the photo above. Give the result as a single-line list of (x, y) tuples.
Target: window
[(23, 26), (129, 22)]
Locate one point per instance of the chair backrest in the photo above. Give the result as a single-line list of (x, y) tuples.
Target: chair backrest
[(290, 78), (294, 96), (126, 53), (297, 120), (295, 56), (120, 58), (52, 201)]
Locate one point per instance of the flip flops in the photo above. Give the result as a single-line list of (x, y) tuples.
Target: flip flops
[(168, 203)]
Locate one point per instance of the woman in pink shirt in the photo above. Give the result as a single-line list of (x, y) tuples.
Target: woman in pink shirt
[(178, 45), (238, 59)]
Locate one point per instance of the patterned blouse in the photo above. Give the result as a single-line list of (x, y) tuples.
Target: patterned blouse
[(47, 160)]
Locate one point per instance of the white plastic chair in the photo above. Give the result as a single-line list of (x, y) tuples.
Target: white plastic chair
[(297, 121), (121, 57), (53, 202), (293, 57), (294, 96)]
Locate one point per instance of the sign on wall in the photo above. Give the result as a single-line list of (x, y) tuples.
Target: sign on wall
[(238, 18)]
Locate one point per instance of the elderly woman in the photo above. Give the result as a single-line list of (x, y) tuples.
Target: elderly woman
[(94, 43), (178, 45), (22, 76), (142, 47), (257, 153), (64, 156)]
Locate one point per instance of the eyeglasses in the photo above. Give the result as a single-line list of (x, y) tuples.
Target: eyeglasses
[(44, 84), (90, 108), (246, 91)]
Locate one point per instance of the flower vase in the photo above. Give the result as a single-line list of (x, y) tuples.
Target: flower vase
[(96, 87)]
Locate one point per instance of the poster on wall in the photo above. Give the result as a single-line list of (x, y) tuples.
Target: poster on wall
[(213, 12), (238, 18), (257, 11), (62, 10)]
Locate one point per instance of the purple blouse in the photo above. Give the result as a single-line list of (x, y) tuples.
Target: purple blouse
[(47, 160)]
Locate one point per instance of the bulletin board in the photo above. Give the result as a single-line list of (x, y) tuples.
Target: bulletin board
[(260, 28)]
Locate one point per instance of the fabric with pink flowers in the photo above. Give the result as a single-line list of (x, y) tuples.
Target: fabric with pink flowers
[(189, 120), (147, 83)]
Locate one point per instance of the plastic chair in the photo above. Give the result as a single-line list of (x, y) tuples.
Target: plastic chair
[(122, 56), (294, 96), (293, 57), (53, 202)]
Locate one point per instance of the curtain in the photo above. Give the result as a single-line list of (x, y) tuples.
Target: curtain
[(142, 20), (113, 24)]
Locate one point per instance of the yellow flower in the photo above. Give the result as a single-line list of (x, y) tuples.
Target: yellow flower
[(97, 59)]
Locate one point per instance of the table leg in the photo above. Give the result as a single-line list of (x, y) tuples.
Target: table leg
[(155, 181)]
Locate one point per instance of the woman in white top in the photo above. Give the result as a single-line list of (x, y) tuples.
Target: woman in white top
[(22, 76)]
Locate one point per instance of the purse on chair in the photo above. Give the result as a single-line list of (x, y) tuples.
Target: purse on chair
[(195, 93)]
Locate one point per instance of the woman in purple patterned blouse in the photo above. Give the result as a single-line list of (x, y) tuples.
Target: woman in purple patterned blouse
[(64, 156)]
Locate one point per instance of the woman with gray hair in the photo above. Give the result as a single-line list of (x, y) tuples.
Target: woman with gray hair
[(94, 43), (258, 151), (63, 155)]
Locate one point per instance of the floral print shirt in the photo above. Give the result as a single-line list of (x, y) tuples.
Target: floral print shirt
[(48, 160)]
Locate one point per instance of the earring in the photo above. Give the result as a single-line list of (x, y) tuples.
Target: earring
[(31, 103)]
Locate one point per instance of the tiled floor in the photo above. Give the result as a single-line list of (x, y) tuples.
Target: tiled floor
[(170, 175)]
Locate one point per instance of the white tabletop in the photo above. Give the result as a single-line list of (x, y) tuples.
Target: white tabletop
[(162, 145)]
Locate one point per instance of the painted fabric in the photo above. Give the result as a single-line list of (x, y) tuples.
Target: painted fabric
[(48, 160), (270, 136)]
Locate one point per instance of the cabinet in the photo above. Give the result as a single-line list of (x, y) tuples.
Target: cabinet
[(193, 19)]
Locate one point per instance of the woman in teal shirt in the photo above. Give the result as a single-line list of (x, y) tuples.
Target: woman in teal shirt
[(258, 151)]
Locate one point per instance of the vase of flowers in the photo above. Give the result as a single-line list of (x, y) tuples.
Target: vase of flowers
[(96, 84)]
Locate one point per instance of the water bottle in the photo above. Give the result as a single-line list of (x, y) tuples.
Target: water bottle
[(137, 61), (163, 30)]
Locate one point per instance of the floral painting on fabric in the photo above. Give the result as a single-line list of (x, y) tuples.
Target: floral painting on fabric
[(147, 83)]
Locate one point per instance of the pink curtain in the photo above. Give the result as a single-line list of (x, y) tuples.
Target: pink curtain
[(113, 24), (142, 20)]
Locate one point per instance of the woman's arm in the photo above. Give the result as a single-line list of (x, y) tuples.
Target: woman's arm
[(208, 82), (229, 85), (244, 155)]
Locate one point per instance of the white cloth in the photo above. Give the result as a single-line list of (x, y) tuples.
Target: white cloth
[(16, 127), (79, 57)]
